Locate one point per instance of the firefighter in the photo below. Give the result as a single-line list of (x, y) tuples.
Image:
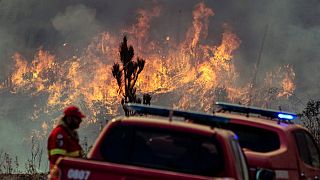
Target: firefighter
[(63, 139)]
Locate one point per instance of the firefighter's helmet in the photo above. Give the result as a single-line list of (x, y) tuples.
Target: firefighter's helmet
[(73, 111)]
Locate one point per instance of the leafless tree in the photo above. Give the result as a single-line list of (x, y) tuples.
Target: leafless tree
[(310, 118), (127, 73), (34, 162)]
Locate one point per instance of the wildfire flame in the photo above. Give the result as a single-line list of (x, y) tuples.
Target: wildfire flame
[(193, 73), (283, 79)]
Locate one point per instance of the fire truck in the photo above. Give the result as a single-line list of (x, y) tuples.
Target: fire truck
[(161, 143), (270, 139)]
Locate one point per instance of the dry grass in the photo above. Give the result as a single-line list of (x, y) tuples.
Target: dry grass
[(10, 168), (23, 176)]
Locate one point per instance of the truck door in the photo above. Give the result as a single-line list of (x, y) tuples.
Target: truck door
[(308, 155)]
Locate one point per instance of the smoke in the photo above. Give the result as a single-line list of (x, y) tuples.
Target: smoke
[(65, 28), (292, 38), (77, 24)]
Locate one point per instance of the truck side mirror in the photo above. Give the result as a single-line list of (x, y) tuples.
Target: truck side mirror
[(265, 174)]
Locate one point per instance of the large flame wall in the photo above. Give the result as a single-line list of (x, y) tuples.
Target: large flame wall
[(191, 73)]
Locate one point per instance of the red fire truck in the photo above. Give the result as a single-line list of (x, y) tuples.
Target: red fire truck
[(271, 140)]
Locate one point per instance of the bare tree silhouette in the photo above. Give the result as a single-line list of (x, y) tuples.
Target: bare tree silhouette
[(127, 74)]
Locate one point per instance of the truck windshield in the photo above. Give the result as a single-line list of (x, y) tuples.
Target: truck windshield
[(164, 149), (254, 138)]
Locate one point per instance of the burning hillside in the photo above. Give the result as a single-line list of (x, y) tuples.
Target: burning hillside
[(194, 72)]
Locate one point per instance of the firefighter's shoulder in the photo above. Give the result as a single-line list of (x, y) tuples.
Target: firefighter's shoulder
[(59, 132)]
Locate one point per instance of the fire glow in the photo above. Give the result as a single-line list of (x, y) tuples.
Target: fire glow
[(195, 73)]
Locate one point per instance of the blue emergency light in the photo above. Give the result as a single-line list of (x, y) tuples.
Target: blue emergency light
[(197, 117), (286, 116), (273, 114)]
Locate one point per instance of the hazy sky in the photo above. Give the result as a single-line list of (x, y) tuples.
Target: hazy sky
[(293, 37)]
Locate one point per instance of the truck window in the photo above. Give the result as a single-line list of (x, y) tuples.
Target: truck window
[(308, 151), (254, 138), (164, 149)]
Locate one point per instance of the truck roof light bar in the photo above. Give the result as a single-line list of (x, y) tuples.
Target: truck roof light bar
[(197, 117), (274, 114)]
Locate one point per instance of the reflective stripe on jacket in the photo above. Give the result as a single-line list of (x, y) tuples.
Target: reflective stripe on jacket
[(64, 153)]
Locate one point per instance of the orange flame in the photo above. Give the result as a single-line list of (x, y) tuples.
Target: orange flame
[(200, 23), (283, 79), (287, 83), (190, 75)]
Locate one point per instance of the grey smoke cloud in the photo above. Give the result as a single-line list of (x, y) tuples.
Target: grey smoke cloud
[(293, 37), (76, 24)]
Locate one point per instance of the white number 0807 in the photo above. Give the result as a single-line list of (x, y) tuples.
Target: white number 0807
[(78, 174)]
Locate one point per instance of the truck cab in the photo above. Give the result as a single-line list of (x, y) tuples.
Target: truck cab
[(171, 146)]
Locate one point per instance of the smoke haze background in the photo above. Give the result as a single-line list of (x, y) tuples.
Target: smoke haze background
[(293, 37)]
